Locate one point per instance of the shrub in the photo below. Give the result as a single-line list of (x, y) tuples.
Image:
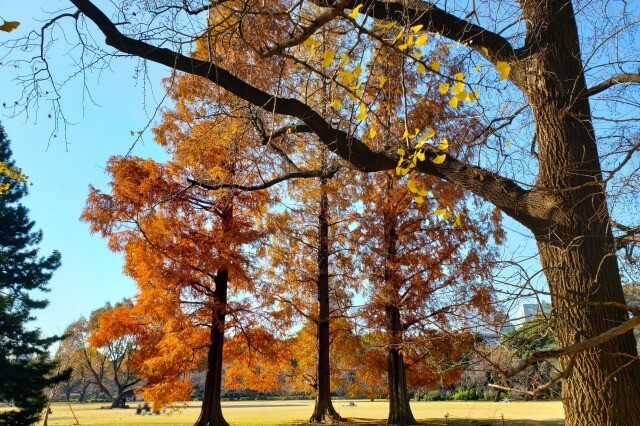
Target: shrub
[(463, 395)]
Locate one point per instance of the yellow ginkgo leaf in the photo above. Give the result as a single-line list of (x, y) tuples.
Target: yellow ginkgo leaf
[(457, 221), (421, 68), (355, 97), (422, 193), (372, 133), (504, 69), (453, 102), (417, 28), (405, 135), (345, 76), (459, 76), (397, 37), (308, 42), (9, 26), (387, 26), (508, 142), (430, 133), (457, 88), (400, 152), (407, 44), (419, 199), (362, 114), (478, 66), (343, 60), (446, 215), (417, 55), (329, 57), (422, 40), (443, 88), (355, 87), (355, 12), (336, 104), (462, 95), (420, 156), (485, 51), (444, 144), (412, 186), (439, 159), (435, 66), (383, 80), (473, 96), (357, 70), (440, 212)]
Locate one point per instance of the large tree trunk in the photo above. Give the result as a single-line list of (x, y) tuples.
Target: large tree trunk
[(323, 411), (211, 413), (576, 244), (399, 409)]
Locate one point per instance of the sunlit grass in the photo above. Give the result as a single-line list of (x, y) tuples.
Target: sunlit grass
[(296, 412)]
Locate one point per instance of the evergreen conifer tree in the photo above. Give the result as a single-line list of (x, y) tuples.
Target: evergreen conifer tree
[(25, 367)]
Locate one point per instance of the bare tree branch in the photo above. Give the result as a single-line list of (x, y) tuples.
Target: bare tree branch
[(610, 82)]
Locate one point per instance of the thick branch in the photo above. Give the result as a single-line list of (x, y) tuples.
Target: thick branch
[(439, 21), (576, 347), (618, 79)]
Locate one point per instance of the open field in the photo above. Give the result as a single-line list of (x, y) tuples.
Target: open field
[(295, 412)]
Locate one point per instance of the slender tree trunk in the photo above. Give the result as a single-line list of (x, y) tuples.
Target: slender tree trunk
[(211, 413), (323, 411), (399, 409), (576, 243)]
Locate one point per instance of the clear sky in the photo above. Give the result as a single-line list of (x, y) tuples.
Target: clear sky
[(61, 168)]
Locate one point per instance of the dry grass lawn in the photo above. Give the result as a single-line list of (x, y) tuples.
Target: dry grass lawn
[(295, 412)]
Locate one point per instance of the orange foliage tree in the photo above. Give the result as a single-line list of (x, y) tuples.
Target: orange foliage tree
[(311, 269), (183, 245), (425, 243)]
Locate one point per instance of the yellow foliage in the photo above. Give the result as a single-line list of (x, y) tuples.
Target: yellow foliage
[(504, 69)]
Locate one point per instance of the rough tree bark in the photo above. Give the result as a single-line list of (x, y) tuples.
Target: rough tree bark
[(399, 408), (576, 246), (323, 411), (211, 413)]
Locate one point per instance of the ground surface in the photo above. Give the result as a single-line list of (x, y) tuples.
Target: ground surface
[(296, 412)]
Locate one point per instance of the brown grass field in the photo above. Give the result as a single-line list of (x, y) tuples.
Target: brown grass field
[(296, 412)]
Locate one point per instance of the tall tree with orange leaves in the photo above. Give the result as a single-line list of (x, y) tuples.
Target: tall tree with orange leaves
[(420, 272), (311, 269), (183, 245)]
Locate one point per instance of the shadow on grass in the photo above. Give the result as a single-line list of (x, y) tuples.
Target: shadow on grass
[(354, 421), (225, 406)]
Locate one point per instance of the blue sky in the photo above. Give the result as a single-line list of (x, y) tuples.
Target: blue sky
[(60, 170)]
